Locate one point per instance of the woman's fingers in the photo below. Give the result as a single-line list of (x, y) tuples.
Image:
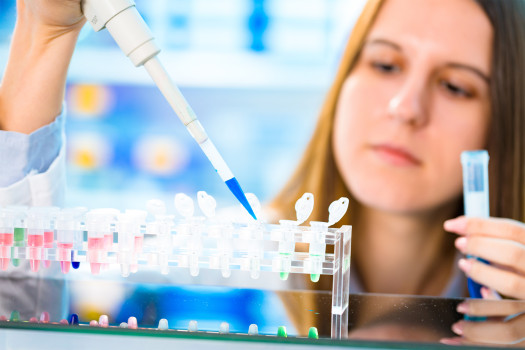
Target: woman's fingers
[(496, 250), (494, 227), (480, 307), (506, 282), (510, 332)]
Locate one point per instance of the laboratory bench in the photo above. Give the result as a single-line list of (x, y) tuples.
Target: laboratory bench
[(376, 321)]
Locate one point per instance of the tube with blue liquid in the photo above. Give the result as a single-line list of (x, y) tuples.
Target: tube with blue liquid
[(475, 196)]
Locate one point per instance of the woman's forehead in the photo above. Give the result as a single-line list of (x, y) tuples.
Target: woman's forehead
[(457, 29)]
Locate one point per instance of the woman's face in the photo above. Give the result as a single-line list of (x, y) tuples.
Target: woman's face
[(417, 97)]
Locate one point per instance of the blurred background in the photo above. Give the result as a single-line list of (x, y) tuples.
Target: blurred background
[(255, 72)]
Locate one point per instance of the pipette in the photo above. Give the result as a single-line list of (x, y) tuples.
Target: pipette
[(475, 195), (133, 36)]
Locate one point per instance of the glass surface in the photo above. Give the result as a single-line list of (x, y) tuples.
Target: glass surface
[(375, 320)]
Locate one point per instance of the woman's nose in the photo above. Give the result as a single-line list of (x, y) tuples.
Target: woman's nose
[(408, 104)]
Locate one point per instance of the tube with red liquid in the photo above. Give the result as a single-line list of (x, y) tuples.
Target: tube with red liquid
[(98, 226), (6, 237)]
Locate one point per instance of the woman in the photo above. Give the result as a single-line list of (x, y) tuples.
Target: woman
[(419, 82)]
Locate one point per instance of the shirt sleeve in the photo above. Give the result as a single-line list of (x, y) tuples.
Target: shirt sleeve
[(23, 154), (33, 166)]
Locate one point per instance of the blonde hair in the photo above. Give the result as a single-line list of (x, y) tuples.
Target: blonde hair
[(317, 172)]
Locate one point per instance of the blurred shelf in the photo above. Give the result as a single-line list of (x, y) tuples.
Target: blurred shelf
[(200, 69)]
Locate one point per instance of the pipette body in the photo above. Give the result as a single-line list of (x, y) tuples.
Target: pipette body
[(133, 36)]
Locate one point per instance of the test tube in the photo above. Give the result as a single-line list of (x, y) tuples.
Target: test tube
[(49, 234), (40, 234), (139, 218), (19, 231), (286, 237), (6, 237), (475, 195), (67, 225), (98, 225), (35, 237)]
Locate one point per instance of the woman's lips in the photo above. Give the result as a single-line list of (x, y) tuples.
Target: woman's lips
[(395, 155)]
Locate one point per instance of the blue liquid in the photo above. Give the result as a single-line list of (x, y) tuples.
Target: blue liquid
[(74, 264), (237, 191), (73, 320)]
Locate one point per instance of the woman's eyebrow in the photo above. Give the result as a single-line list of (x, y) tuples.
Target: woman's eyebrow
[(474, 70), (380, 41)]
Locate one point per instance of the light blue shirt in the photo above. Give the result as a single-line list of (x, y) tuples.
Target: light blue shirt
[(22, 154)]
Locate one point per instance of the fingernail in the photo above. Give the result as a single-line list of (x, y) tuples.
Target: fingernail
[(465, 265), (450, 341), (461, 244), (456, 225), (462, 308), (458, 328)]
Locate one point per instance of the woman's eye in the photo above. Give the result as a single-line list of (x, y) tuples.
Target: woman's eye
[(454, 89), (386, 67)]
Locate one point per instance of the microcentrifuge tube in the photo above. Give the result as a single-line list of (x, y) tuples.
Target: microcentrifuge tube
[(207, 204), (15, 316), (44, 317), (313, 333), (103, 321), (192, 326), (281, 332), (132, 323), (224, 328), (73, 320), (163, 324), (253, 329)]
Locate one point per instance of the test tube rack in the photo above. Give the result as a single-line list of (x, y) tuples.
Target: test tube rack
[(108, 237)]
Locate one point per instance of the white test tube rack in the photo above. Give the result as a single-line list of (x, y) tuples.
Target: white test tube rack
[(201, 243)]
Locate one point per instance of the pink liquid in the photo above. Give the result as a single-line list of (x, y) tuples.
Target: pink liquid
[(35, 242), (108, 241), (64, 256), (6, 239), (95, 244), (139, 243), (49, 238)]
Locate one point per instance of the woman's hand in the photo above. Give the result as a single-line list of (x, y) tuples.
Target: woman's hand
[(503, 324), (32, 89), (58, 15), (500, 241)]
